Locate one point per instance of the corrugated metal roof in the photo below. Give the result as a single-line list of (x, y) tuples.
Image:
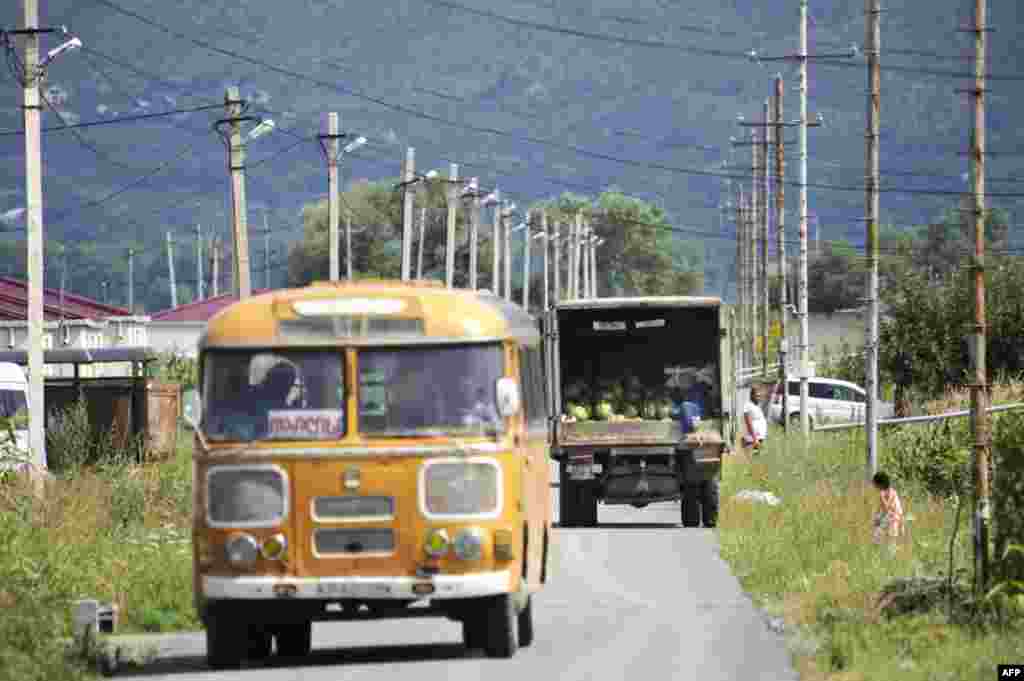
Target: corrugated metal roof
[(199, 310), (14, 303)]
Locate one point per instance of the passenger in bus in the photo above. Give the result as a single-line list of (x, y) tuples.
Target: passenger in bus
[(273, 392), (481, 411)]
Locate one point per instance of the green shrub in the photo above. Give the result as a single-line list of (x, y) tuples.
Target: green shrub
[(72, 442), (1008, 493), (932, 456)]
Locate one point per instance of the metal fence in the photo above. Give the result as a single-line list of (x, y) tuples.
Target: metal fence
[(917, 419)]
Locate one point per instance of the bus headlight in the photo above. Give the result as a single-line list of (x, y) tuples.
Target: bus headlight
[(242, 550), (274, 548), (437, 543), (469, 544)]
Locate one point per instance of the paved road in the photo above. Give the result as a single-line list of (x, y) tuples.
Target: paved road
[(637, 597)]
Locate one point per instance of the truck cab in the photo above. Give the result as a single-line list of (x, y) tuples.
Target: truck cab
[(617, 370)]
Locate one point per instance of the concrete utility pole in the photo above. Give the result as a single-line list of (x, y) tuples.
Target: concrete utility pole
[(349, 256), (527, 242), (216, 266), (593, 264), (199, 262), (763, 163), (408, 193), (546, 242), (755, 233), (452, 195), (419, 245), (872, 47), (131, 281), (242, 276), (496, 242), (474, 231), (805, 426), (741, 266), (780, 219), (979, 387), (556, 283), (34, 221), (329, 144), (170, 270), (266, 251), (507, 234)]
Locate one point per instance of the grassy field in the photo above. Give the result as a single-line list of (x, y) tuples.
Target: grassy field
[(118, 533), (811, 561)]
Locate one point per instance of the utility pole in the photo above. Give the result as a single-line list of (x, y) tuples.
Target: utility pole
[(805, 426), (474, 231), (34, 222), (741, 266), (170, 269), (496, 242), (216, 266), (527, 242), (349, 257), (266, 251), (507, 234), (242, 277), (329, 145), (780, 219), (755, 222), (593, 265), (979, 387), (546, 241), (451, 194), (131, 280), (408, 193), (419, 245), (873, 47), (557, 279), (199, 262), (763, 163)]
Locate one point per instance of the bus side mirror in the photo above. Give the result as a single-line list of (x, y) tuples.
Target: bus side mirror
[(508, 396)]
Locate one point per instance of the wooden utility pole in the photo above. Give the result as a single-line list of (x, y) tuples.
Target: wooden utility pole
[(199, 262), (170, 270), (419, 245), (872, 47), (329, 144), (36, 236), (763, 164), (452, 195), (979, 384), (496, 242), (408, 193), (780, 232), (240, 271)]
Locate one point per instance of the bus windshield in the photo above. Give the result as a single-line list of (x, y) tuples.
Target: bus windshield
[(273, 395), (441, 390)]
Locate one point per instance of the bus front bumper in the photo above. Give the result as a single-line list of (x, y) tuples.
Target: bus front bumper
[(325, 588)]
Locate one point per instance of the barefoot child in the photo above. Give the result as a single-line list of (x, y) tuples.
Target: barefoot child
[(888, 520)]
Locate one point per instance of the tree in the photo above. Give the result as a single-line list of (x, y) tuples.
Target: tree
[(836, 279)]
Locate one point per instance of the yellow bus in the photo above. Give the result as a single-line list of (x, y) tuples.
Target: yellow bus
[(369, 450)]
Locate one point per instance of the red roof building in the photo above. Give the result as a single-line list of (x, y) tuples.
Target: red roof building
[(14, 304), (199, 310)]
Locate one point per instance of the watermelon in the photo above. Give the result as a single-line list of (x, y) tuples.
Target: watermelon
[(603, 411)]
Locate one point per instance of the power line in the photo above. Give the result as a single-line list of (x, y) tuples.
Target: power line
[(119, 120)]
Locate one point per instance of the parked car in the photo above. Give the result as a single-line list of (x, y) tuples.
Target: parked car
[(829, 400), (14, 409)]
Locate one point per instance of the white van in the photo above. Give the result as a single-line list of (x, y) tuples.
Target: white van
[(13, 403), (829, 400)]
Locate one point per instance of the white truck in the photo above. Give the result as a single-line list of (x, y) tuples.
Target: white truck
[(611, 366)]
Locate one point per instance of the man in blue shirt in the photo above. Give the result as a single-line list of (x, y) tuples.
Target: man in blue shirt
[(689, 407)]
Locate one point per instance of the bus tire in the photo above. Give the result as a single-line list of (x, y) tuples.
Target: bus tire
[(526, 624), (259, 643), (294, 640), (225, 642), (690, 506), (500, 619), (473, 633)]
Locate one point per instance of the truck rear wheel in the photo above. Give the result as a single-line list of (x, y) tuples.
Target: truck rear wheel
[(690, 506), (577, 503), (709, 498)]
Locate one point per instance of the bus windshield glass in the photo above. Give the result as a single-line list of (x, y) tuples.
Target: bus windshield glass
[(273, 395), (441, 390)]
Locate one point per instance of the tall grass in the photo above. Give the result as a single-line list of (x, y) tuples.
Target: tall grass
[(811, 561), (105, 527)]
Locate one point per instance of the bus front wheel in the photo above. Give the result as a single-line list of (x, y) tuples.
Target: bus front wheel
[(294, 640), (499, 614), (226, 642)]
